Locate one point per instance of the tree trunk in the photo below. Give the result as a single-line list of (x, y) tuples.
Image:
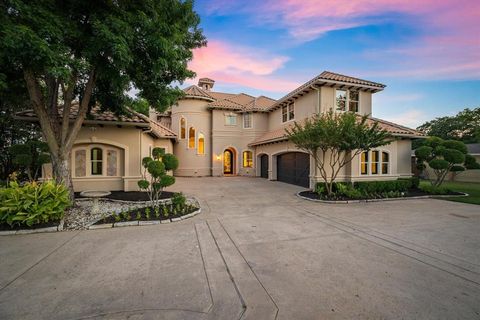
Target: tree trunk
[(62, 172)]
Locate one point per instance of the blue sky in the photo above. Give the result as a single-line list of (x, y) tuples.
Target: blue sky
[(426, 52)]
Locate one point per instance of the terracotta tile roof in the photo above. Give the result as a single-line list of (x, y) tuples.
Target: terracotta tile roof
[(395, 129), (220, 95), (261, 103), (96, 115), (243, 102), (206, 80), (197, 92), (327, 77)]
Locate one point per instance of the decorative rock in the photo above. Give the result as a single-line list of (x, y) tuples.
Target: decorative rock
[(126, 224)]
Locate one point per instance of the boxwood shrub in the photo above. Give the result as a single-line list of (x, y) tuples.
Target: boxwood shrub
[(33, 203)]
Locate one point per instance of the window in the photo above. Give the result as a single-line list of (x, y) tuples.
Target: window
[(80, 163), (353, 101), (247, 159), (183, 126), (96, 160), (364, 163), (191, 138), (111, 163), (247, 120), (231, 119), (347, 100), (201, 144), (385, 162), (341, 100), (374, 163), (288, 112)]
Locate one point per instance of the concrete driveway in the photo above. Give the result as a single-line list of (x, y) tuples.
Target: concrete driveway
[(256, 252)]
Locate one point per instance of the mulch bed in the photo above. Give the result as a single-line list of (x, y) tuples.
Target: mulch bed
[(131, 195), (7, 227), (140, 215), (411, 193)]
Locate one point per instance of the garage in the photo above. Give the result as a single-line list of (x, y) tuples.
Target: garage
[(294, 168)]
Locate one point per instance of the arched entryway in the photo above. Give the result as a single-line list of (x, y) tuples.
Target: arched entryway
[(264, 166), (228, 162)]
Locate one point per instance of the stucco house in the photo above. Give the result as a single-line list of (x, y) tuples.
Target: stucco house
[(227, 134)]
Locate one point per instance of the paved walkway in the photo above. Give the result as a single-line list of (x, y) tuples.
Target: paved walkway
[(256, 252)]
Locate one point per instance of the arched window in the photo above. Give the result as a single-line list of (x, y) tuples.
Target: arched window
[(183, 128), (385, 162), (247, 159), (364, 163), (96, 158), (201, 144), (191, 138)]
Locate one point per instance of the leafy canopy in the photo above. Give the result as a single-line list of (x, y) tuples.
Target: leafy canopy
[(443, 156), (335, 139)]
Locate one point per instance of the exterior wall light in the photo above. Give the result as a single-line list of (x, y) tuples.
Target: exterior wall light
[(218, 157)]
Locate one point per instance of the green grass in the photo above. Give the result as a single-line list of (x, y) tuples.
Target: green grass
[(472, 188)]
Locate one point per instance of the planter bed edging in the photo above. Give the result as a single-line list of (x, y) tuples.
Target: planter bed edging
[(382, 199), (30, 231)]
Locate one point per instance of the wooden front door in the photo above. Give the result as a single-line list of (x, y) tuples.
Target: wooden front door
[(228, 162)]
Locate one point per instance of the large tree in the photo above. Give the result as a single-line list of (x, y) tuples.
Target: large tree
[(74, 53), (335, 139), (464, 126)]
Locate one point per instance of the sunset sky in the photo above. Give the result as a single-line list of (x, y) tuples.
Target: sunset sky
[(427, 52)]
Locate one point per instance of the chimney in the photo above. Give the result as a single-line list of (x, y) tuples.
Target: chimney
[(206, 83)]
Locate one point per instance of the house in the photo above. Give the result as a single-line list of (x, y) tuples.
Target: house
[(226, 134)]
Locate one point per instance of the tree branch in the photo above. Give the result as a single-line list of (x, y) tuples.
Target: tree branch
[(67, 104)]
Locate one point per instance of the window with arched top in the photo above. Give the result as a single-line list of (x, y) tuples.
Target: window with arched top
[(247, 159), (201, 144), (96, 159), (183, 128), (191, 138)]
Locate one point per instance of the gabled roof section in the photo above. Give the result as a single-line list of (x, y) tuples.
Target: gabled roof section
[(196, 92), (243, 103), (327, 78), (158, 130), (393, 128), (261, 103)]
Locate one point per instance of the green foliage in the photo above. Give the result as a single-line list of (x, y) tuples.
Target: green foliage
[(170, 162), (155, 177), (434, 189), (335, 139), (443, 156), (179, 201), (30, 156), (471, 163), (33, 203), (465, 126), (141, 105), (368, 189)]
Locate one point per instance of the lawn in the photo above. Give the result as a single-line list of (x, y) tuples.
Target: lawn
[(472, 188)]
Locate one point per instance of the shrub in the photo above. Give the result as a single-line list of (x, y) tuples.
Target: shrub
[(434, 189), (179, 202), (33, 203), (368, 189), (378, 187)]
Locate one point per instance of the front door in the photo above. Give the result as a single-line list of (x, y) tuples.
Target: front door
[(228, 162)]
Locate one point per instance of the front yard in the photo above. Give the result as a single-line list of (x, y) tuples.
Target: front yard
[(472, 188)]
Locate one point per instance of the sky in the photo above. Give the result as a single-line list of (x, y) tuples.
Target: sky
[(427, 52)]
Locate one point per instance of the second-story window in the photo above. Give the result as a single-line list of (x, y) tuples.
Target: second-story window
[(288, 112), (231, 119), (347, 100), (247, 120), (191, 138), (183, 128)]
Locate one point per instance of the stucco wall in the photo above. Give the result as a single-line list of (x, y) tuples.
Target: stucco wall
[(197, 116)]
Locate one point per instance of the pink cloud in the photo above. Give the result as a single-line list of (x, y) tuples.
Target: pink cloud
[(240, 65)]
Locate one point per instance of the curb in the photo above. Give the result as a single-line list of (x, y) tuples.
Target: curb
[(383, 199), (30, 231)]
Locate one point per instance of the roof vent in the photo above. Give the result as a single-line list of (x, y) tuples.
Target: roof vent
[(206, 83)]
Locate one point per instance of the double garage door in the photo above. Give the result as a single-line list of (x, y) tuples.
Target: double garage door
[(294, 168)]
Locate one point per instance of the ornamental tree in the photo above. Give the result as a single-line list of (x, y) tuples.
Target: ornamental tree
[(30, 156), (335, 139), (155, 175), (84, 53), (443, 156)]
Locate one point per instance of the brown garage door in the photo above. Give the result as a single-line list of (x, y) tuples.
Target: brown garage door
[(294, 168)]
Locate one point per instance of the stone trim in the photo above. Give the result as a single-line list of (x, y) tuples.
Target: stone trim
[(380, 200)]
